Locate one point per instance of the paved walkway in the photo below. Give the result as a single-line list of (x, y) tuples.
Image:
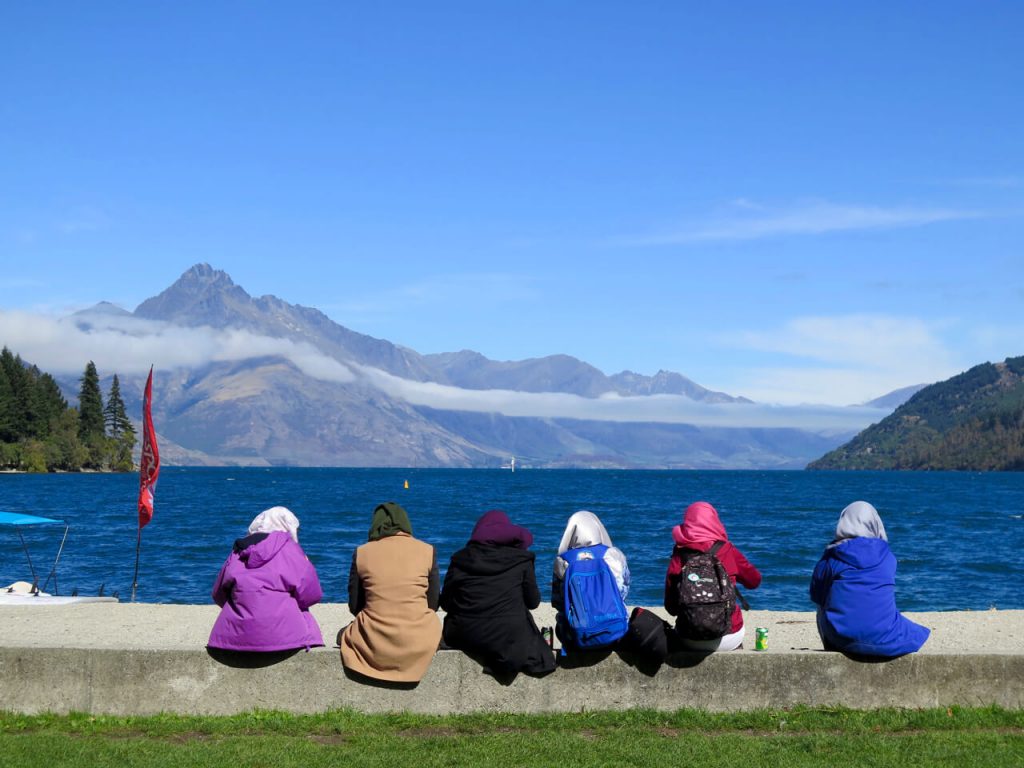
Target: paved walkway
[(146, 626)]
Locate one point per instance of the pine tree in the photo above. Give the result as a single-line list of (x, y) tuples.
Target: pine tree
[(50, 402), (7, 431), (114, 416), (90, 416), (120, 430), (16, 417)]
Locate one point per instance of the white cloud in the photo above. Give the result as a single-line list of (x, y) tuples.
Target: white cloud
[(130, 345), (127, 344), (997, 182), (84, 218), (747, 220), (844, 359), (667, 409), (442, 290), (18, 283)]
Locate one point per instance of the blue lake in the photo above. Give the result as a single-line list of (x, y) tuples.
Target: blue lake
[(958, 537)]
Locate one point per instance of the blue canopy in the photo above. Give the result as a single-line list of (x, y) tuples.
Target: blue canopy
[(17, 518)]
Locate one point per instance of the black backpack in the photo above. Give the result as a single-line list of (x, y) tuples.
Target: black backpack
[(648, 635), (707, 597)]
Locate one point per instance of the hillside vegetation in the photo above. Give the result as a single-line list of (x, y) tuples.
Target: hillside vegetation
[(974, 421)]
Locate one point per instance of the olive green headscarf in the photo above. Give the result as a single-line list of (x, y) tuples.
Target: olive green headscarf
[(388, 519)]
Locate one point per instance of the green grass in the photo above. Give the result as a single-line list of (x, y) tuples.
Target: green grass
[(798, 737)]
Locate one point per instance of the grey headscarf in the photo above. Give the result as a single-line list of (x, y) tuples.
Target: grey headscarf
[(859, 519), (584, 529)]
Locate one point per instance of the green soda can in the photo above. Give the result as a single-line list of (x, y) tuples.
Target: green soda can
[(761, 639)]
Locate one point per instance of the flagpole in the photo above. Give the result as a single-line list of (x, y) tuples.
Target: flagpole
[(149, 470), (138, 549)]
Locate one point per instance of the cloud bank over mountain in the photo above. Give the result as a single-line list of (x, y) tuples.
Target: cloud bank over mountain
[(124, 343), (119, 341)]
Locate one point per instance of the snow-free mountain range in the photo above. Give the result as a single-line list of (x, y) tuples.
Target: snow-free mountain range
[(314, 393)]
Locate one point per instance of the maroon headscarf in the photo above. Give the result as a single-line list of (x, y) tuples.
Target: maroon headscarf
[(495, 528), (700, 529)]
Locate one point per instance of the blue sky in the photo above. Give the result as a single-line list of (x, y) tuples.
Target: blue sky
[(795, 203)]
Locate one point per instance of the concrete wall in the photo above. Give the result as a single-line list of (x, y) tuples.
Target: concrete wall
[(138, 682)]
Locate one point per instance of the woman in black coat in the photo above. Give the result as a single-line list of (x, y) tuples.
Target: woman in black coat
[(488, 593)]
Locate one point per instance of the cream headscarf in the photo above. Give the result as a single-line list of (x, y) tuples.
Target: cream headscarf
[(276, 519), (859, 519)]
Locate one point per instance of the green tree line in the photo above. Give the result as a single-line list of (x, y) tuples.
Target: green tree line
[(40, 432)]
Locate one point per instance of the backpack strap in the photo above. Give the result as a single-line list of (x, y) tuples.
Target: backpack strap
[(686, 552), (739, 595)]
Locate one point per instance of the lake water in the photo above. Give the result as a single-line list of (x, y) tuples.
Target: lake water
[(958, 537)]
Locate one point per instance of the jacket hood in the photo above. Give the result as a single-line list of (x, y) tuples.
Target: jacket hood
[(860, 552), (258, 549), (490, 559)]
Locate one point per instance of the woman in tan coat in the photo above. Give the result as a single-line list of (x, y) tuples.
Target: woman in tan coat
[(393, 591)]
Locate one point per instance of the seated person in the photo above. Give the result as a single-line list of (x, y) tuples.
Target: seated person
[(488, 592), (393, 591), (854, 587), (265, 588), (602, 622), (700, 532)]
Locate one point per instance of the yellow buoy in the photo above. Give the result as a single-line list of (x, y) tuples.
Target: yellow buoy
[(407, 485)]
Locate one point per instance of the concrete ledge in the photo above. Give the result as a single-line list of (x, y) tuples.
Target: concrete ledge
[(141, 658), (141, 682)]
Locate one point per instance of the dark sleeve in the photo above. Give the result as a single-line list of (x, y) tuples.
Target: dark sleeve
[(531, 593), (433, 583), (820, 582), (675, 566), (447, 590), (746, 574), (356, 595)]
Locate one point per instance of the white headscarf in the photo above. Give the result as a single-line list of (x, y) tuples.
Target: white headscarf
[(859, 519), (276, 519), (584, 529)]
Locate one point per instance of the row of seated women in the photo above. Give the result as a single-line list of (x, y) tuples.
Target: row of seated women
[(267, 585)]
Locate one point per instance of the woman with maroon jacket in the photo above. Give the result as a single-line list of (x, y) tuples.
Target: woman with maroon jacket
[(699, 532)]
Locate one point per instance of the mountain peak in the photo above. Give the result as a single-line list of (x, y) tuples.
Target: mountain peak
[(103, 308), (204, 276), (201, 296)]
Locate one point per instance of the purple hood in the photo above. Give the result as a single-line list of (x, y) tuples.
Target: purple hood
[(265, 589)]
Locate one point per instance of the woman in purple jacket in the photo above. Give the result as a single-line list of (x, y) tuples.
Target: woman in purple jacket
[(265, 589)]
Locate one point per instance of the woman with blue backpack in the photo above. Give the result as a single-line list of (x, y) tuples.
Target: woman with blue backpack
[(589, 586), (854, 587), (700, 586)]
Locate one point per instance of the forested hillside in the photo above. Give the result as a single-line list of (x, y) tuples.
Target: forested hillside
[(974, 421), (39, 432)]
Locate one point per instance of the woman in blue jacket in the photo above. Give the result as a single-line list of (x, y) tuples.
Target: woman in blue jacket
[(854, 587)]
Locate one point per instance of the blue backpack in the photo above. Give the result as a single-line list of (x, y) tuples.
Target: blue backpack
[(595, 614)]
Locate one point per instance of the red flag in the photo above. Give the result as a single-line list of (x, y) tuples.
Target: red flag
[(149, 464)]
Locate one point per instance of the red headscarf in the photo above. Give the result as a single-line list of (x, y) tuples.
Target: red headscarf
[(700, 529)]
